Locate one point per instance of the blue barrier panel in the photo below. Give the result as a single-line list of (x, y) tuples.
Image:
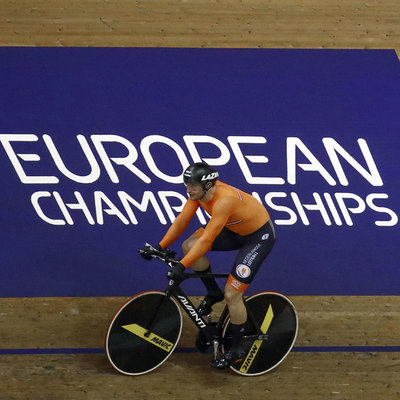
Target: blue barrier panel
[(94, 142)]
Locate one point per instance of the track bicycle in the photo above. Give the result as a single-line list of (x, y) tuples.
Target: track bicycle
[(145, 331)]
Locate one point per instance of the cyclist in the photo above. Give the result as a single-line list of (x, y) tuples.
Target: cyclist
[(238, 222)]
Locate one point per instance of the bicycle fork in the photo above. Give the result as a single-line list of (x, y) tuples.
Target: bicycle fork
[(170, 291), (149, 324)]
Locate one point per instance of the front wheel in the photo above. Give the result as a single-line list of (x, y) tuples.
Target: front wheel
[(143, 333), (276, 315)]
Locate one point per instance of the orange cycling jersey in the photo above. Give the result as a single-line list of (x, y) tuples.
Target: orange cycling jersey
[(229, 207)]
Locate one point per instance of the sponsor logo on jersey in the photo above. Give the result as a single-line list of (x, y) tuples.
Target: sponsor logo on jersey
[(235, 283), (243, 271)]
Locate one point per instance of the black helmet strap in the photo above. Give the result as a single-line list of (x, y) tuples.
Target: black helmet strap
[(207, 187)]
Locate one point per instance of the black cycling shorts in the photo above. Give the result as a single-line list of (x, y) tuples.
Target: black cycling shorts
[(253, 249)]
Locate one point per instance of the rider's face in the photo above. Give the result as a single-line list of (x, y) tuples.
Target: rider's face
[(195, 191)]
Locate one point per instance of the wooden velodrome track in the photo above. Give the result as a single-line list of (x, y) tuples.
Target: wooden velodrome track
[(80, 323)]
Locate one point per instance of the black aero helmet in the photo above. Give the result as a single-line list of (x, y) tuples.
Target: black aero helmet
[(202, 173)]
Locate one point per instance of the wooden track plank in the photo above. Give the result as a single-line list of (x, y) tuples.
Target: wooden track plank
[(64, 322), (201, 23), (301, 376)]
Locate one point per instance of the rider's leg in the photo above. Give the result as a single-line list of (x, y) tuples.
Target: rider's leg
[(203, 265), (256, 248), (238, 314), (235, 303)]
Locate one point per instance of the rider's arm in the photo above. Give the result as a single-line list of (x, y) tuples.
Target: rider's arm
[(222, 210), (180, 224)]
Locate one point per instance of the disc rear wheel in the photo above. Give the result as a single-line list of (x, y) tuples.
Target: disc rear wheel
[(277, 317)]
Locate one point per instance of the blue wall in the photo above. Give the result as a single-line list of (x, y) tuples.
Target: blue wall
[(94, 142)]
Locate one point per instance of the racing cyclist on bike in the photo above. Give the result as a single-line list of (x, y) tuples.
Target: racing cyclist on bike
[(238, 222)]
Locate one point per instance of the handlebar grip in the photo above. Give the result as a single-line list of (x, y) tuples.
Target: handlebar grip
[(150, 252)]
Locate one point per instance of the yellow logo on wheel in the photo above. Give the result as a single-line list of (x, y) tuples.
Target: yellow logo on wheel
[(149, 337), (257, 343)]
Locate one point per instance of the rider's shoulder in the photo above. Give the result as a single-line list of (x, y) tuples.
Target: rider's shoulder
[(225, 190), (223, 187), (226, 196)]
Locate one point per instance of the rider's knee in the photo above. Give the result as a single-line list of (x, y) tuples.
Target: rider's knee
[(188, 244), (232, 296)]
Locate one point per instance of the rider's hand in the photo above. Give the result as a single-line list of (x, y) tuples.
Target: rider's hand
[(176, 271), (168, 252)]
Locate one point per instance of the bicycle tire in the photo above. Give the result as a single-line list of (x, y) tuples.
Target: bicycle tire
[(280, 320), (130, 348)]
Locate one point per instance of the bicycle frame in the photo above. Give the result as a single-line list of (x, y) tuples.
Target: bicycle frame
[(271, 327), (211, 332)]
